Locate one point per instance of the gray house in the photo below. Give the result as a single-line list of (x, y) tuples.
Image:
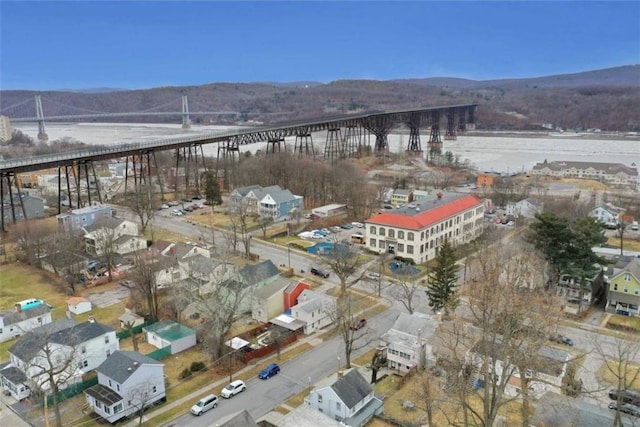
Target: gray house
[(83, 217), (127, 383), (33, 206), (346, 397)]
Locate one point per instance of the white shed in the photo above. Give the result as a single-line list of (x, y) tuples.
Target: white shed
[(78, 305)]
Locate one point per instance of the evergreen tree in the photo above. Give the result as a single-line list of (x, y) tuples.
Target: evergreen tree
[(212, 189), (442, 279)]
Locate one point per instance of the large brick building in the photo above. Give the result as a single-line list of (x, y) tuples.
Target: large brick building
[(418, 229)]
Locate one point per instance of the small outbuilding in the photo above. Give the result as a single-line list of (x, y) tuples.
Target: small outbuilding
[(170, 333), (78, 305)]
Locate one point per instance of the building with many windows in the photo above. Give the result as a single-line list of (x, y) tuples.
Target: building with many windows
[(615, 174), (418, 229)]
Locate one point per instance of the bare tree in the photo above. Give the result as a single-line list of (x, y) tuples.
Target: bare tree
[(344, 261), (512, 317), (620, 354), (353, 334), (33, 241), (238, 226), (54, 366), (143, 202), (144, 281), (404, 290)]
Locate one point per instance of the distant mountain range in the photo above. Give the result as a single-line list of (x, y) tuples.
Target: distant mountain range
[(607, 99)]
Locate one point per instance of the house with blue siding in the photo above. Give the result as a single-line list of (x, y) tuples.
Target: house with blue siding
[(280, 205)]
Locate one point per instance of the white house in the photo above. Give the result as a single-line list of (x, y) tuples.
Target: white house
[(78, 305), (16, 322), (409, 341), (314, 309), (170, 334), (74, 348), (120, 233), (526, 208), (605, 214), (127, 383), (346, 397)]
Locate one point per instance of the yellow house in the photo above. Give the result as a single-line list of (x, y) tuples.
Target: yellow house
[(623, 296)]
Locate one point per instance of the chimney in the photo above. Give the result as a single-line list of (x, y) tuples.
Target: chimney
[(91, 319), (135, 363), (340, 373), (18, 307), (439, 194), (129, 369)]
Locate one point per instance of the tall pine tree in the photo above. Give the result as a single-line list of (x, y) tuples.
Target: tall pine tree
[(442, 279), (212, 189)]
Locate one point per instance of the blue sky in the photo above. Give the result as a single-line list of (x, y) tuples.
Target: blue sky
[(73, 45)]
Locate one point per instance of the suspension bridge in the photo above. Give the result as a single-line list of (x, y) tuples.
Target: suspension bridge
[(31, 110)]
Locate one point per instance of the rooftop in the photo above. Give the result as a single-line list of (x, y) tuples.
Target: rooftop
[(426, 212)]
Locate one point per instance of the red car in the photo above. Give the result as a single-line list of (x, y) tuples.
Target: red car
[(359, 325)]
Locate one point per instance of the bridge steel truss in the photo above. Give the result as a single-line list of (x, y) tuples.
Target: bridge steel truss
[(352, 142)]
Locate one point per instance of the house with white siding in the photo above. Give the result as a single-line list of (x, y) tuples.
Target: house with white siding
[(128, 382), (408, 342), (346, 397), (17, 322), (418, 230), (75, 349), (313, 308)]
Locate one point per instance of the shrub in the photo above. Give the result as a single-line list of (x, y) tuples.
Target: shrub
[(197, 366), (186, 373)]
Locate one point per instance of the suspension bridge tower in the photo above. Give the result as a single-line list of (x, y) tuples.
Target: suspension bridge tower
[(42, 133)]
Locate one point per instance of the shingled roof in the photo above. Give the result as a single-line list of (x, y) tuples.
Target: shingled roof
[(122, 364), (352, 388)]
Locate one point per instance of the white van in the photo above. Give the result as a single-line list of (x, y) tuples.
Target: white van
[(204, 405), (634, 225)]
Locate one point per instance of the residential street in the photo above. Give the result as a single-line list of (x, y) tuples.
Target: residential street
[(262, 396)]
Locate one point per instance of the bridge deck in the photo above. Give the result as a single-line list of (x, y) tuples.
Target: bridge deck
[(246, 136)]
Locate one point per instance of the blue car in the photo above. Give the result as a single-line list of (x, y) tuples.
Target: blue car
[(269, 371)]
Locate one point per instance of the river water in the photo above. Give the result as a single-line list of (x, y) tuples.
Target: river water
[(504, 154)]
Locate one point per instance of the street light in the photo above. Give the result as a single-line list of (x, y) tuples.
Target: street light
[(338, 363), (289, 253)]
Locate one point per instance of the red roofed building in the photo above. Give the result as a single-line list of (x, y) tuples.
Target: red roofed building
[(417, 230)]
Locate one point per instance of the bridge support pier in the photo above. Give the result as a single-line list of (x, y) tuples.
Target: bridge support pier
[(42, 133), (380, 127), (333, 147), (275, 142), (434, 144), (450, 134), (304, 144), (186, 122), (6, 179), (352, 141), (413, 146)]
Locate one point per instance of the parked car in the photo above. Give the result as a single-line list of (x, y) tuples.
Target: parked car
[(319, 272), (233, 388), (307, 216), (188, 209), (173, 203), (359, 325), (165, 206), (626, 408), (269, 371), (93, 265), (204, 404), (194, 206), (567, 341), (628, 396), (336, 229), (176, 212), (373, 276)]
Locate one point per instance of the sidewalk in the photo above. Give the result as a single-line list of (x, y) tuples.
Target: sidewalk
[(7, 416)]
